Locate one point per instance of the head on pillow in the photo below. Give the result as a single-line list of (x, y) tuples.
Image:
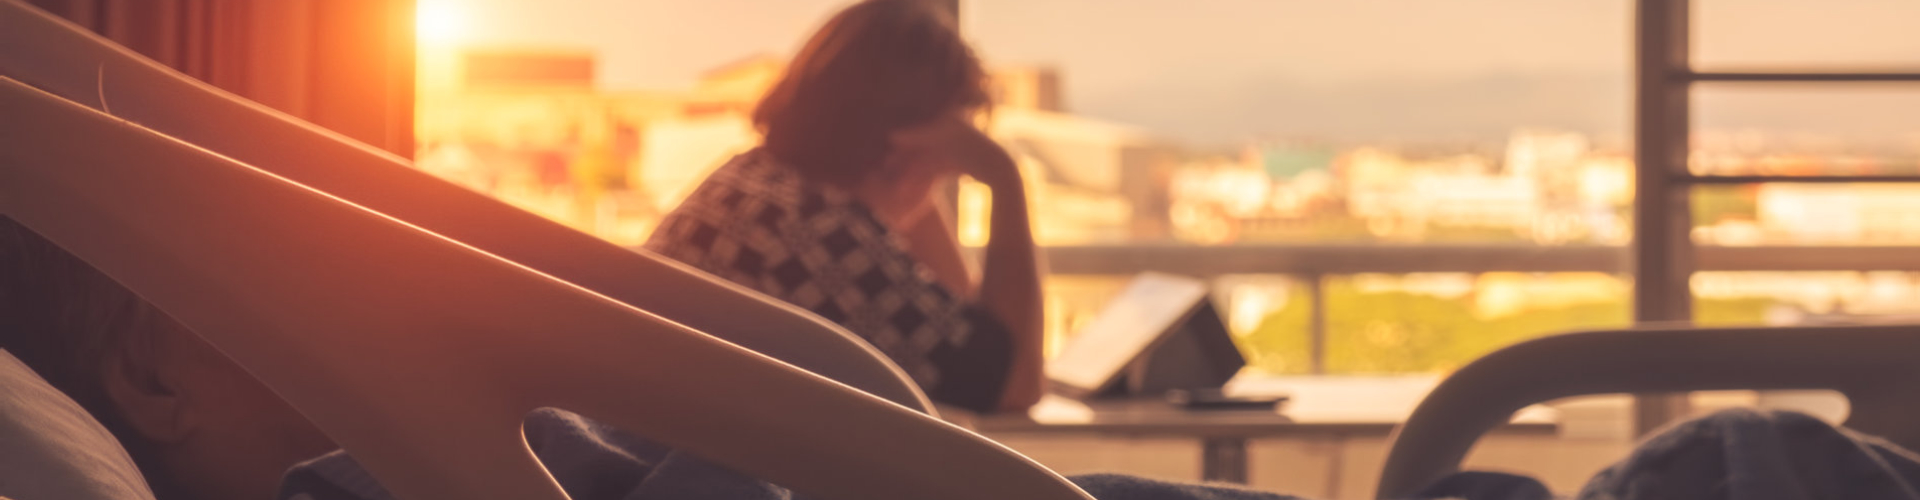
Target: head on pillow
[(197, 424)]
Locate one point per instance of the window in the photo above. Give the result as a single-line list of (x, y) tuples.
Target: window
[(1774, 158), (1691, 181), (599, 114), (1373, 186), (1369, 193)]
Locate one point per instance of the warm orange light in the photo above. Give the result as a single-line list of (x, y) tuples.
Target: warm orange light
[(440, 21)]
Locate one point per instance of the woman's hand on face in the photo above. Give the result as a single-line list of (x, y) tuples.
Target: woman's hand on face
[(951, 146), (902, 191)]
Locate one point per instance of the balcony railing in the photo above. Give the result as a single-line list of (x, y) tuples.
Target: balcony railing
[(1311, 264), (1210, 261)]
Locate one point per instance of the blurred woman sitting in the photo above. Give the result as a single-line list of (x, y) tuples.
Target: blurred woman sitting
[(835, 211)]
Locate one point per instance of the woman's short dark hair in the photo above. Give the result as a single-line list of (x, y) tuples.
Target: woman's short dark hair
[(874, 68)]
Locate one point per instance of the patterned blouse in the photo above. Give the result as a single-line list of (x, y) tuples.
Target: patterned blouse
[(759, 223)]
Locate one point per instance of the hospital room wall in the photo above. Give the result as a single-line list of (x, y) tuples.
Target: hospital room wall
[(342, 64)]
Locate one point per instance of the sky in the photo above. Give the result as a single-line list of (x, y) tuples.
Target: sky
[(1222, 71)]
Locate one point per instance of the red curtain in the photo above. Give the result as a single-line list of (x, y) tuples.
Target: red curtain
[(343, 64)]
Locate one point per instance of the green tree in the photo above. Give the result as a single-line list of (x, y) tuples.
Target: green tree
[(1401, 332)]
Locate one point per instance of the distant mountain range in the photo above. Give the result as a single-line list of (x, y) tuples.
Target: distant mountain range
[(1476, 109)]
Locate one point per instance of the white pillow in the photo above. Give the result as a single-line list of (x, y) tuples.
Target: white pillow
[(51, 449)]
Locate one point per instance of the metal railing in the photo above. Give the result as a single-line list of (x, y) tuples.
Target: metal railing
[(1209, 261), (1664, 80), (1312, 264)]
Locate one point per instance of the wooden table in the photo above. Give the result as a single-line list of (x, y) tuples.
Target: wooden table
[(1223, 434)]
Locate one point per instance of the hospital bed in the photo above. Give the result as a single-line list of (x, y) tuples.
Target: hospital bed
[(1872, 365), (417, 323), (47, 53)]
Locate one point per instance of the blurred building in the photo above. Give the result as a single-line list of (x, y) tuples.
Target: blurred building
[(531, 127), (523, 70), (1090, 181), (1838, 214), (1028, 87), (1399, 197)]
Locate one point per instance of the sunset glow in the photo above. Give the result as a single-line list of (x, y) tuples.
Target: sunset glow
[(440, 22)]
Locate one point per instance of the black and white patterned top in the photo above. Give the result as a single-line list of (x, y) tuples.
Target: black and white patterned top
[(761, 224)]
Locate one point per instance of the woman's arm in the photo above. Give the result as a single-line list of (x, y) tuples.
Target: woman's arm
[(1009, 286), (1010, 290), (931, 241)]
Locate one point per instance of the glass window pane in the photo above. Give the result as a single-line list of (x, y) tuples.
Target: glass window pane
[(1243, 122), (599, 114), (1805, 34), (1380, 323), (1369, 121), (1414, 131), (1795, 298), (1270, 317), (1807, 214), (1437, 322), (1806, 130)]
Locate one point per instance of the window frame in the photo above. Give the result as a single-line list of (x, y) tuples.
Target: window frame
[(1664, 254)]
